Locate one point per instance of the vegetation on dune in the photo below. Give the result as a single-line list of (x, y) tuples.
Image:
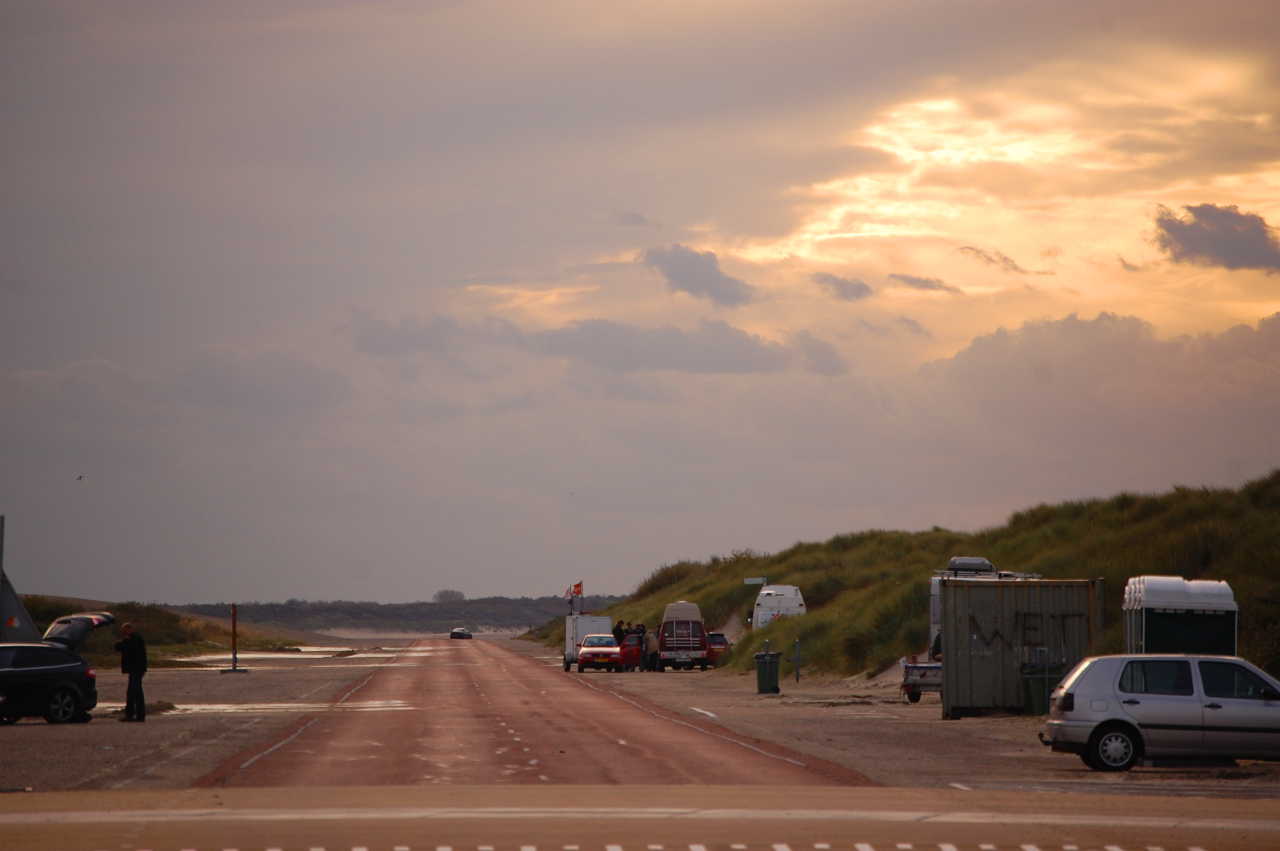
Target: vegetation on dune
[(867, 592), (169, 634)]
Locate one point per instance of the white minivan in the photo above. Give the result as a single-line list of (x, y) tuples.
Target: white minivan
[(1115, 710), (776, 601)]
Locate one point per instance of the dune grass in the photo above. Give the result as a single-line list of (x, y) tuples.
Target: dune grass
[(867, 592)]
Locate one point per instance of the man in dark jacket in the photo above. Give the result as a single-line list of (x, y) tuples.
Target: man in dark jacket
[(133, 662)]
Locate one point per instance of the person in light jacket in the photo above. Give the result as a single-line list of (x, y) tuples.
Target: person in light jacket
[(651, 650)]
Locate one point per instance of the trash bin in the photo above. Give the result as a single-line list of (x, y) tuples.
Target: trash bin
[(1037, 682), (767, 673)]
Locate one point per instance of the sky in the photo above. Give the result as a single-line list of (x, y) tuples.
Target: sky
[(365, 300)]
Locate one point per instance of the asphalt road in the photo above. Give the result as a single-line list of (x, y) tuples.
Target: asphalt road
[(473, 712), (461, 745)]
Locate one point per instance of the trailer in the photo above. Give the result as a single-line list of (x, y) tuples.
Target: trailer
[(1169, 614)]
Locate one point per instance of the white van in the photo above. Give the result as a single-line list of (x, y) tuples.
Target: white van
[(776, 601)]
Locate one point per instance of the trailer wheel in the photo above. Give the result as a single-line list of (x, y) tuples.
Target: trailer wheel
[(579, 667), (567, 664), (913, 695)]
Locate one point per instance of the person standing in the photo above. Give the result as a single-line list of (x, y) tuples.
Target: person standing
[(133, 663), (651, 650)]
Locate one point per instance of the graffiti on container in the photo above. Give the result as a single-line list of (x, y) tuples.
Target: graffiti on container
[(1031, 630)]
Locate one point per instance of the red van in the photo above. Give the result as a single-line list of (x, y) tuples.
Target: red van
[(682, 639)]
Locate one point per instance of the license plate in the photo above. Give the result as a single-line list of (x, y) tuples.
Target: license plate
[(684, 655)]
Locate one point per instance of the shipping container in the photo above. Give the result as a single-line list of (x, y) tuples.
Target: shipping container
[(1006, 643)]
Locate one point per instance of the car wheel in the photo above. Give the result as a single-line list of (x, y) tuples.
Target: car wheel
[(567, 665), (1113, 749), (913, 695), (703, 666), (63, 707), (579, 668)]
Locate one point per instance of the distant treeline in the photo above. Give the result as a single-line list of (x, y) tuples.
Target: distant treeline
[(327, 615)]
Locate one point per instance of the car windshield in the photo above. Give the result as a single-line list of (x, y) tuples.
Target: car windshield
[(599, 641)]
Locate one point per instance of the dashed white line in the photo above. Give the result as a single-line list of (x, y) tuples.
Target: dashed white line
[(863, 846), (697, 848), (280, 744), (613, 848), (961, 787), (704, 712), (780, 846)]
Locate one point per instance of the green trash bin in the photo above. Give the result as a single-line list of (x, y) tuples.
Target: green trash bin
[(767, 673)]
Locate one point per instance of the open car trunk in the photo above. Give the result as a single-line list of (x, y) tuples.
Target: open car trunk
[(71, 630)]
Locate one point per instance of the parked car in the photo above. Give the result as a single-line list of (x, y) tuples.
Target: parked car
[(1115, 710), (459, 632), (48, 678), (632, 651), (717, 646), (600, 651)]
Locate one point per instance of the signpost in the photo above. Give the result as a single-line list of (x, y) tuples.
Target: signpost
[(235, 653)]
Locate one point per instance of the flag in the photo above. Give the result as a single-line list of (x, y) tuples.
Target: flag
[(576, 588)]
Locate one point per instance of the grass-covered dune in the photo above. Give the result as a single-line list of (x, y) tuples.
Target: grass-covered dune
[(169, 635), (867, 592)]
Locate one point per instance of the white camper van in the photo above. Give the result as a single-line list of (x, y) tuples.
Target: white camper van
[(776, 601)]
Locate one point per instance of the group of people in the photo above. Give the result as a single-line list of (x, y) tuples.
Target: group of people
[(648, 642)]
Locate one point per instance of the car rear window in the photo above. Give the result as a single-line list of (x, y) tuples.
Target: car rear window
[(599, 641), (1156, 676)]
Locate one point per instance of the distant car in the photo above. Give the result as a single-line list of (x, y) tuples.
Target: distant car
[(632, 651), (599, 651), (717, 646), (1114, 710), (459, 632), (48, 679)]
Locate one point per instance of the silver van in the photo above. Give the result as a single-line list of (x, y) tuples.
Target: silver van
[(1116, 710)]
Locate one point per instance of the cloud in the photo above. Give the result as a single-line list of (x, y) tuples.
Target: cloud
[(846, 289), (913, 327), (1218, 236), (632, 219), (698, 274), (931, 284), (819, 356), (714, 347), (1003, 261), (264, 383)]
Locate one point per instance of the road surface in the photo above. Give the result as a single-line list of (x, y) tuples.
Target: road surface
[(472, 712)]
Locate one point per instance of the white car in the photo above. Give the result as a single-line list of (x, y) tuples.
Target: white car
[(1115, 710), (599, 651)]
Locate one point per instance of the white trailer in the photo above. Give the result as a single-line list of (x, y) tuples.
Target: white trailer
[(577, 627)]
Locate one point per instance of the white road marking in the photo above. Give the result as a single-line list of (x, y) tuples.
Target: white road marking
[(622, 742), (697, 848), (278, 745), (780, 846), (738, 847), (613, 848), (692, 814), (821, 846), (655, 848), (863, 846), (905, 846), (961, 787), (704, 712), (946, 846), (444, 848)]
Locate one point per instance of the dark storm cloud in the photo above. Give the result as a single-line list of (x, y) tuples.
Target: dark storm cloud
[(1003, 261), (846, 289), (1218, 236), (698, 274), (916, 282)]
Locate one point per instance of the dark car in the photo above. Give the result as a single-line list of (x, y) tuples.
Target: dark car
[(459, 632), (717, 647), (47, 678)]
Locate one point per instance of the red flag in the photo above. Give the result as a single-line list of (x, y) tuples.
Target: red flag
[(577, 588)]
